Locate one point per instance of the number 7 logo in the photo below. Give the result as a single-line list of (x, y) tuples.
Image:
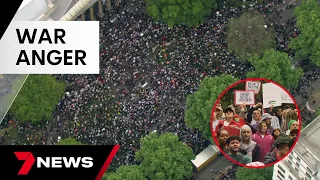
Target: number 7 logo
[(28, 159)]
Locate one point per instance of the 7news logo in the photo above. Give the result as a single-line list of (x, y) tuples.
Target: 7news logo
[(51, 162)]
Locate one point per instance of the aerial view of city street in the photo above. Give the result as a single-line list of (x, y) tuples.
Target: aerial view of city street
[(163, 65)]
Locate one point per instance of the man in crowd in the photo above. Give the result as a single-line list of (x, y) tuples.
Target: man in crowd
[(283, 144), (229, 124), (236, 116), (233, 143), (254, 115)]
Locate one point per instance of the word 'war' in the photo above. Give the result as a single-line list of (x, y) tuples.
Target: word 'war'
[(58, 35)]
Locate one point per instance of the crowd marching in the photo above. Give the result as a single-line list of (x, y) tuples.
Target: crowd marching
[(146, 72)]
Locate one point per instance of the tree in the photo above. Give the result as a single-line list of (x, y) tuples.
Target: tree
[(125, 172), (69, 141), (37, 98), (165, 157), (317, 113), (200, 104), (307, 44), (176, 12), (276, 66), (256, 173), (248, 36)]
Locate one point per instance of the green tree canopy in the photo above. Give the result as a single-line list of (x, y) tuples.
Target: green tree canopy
[(200, 104), (254, 174), (307, 44), (248, 36), (317, 113), (176, 12), (276, 66), (69, 141), (165, 157), (125, 172), (37, 98)]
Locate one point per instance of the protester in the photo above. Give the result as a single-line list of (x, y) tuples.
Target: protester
[(276, 120), (267, 118), (263, 139), (283, 147), (233, 150), (293, 124), (254, 115), (248, 146), (276, 133), (289, 115), (237, 117), (229, 124), (222, 138)]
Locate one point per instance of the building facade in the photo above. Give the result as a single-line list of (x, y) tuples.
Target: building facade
[(303, 163), (49, 10), (35, 10)]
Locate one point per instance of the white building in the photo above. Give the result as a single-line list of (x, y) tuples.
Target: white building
[(43, 10), (303, 163)]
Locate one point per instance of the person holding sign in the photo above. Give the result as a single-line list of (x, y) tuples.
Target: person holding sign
[(254, 115), (229, 124)]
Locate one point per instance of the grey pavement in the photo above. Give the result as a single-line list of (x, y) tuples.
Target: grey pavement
[(219, 164), (9, 88)]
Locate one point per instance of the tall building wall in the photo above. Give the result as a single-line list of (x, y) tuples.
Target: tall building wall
[(304, 161)]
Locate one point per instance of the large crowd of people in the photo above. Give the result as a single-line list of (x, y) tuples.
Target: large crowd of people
[(146, 72)]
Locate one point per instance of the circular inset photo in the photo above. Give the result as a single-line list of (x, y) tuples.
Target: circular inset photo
[(255, 122)]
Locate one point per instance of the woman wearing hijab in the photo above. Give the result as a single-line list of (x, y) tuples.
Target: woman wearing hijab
[(247, 146)]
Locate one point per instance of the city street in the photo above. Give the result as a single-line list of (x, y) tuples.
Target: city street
[(219, 164)]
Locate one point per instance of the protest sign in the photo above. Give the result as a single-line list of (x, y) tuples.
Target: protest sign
[(273, 95), (244, 97), (253, 86)]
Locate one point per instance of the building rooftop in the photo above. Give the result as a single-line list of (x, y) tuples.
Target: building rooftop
[(63, 6), (308, 146), (205, 155)]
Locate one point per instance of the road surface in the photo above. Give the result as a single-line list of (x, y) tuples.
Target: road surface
[(219, 164)]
